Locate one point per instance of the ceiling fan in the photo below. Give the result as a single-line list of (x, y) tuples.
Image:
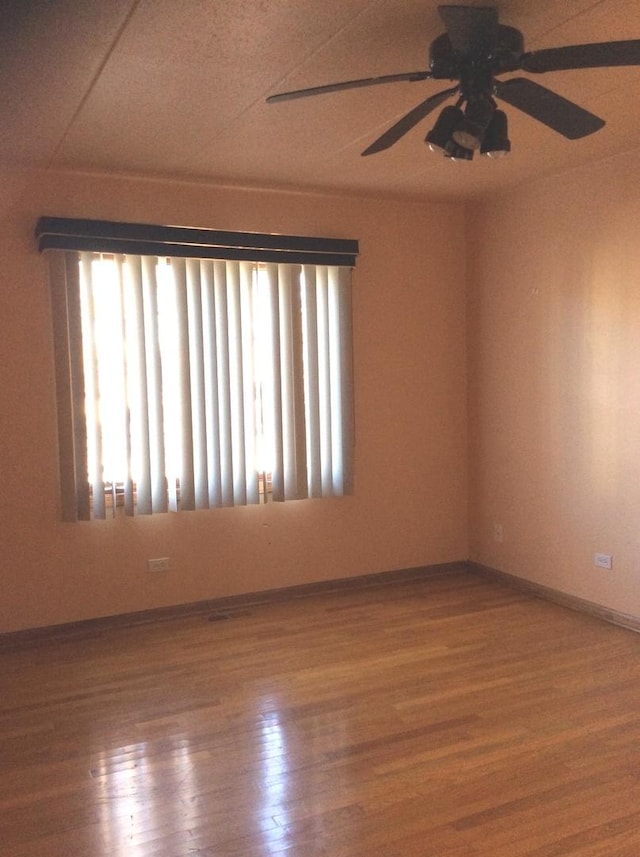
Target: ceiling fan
[(473, 51)]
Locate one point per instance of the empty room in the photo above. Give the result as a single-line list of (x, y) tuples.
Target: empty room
[(319, 429)]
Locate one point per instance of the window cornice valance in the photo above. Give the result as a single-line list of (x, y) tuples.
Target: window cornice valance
[(104, 236)]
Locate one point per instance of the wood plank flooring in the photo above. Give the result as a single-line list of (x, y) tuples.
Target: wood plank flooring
[(448, 717)]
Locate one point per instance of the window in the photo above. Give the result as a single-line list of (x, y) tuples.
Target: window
[(196, 374)]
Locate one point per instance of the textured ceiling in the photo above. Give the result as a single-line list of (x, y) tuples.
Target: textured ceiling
[(178, 87)]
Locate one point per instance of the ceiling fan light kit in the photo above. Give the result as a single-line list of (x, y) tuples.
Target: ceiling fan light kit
[(477, 118), (442, 132), (474, 50), (456, 152), (481, 126), (496, 143)]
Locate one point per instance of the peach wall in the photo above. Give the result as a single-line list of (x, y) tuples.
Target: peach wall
[(554, 416), (410, 375)]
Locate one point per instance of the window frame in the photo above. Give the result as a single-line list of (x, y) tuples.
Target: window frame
[(63, 238)]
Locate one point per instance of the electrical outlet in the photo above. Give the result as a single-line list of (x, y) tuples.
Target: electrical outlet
[(603, 560), (498, 533), (159, 564)]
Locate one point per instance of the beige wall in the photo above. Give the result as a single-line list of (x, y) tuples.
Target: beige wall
[(553, 314), (554, 418), (410, 373)]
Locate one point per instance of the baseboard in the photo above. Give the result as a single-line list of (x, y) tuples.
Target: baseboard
[(614, 617), (221, 606)]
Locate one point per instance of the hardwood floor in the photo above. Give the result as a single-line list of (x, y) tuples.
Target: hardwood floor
[(450, 717)]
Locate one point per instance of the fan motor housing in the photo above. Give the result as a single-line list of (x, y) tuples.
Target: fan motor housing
[(446, 64)]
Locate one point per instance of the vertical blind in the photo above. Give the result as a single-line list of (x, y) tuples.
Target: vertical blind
[(191, 383)]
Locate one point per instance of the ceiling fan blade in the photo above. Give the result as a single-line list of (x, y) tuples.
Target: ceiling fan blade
[(597, 55), (548, 107), (349, 84), (472, 30), (393, 134)]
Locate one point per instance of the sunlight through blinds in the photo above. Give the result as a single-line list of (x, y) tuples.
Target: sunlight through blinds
[(204, 382)]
